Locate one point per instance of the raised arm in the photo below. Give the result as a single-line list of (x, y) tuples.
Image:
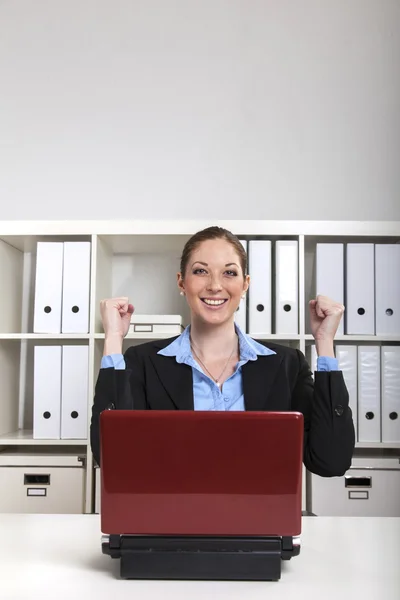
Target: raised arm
[(329, 436), (117, 383)]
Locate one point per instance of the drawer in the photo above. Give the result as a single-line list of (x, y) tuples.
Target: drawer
[(367, 491), (41, 489)]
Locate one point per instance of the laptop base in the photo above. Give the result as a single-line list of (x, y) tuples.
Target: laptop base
[(200, 558)]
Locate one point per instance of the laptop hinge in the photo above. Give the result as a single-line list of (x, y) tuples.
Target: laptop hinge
[(290, 547), (197, 557), (111, 545)]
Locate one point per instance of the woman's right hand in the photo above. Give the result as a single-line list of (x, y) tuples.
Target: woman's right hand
[(116, 317)]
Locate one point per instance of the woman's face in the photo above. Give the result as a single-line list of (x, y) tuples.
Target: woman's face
[(213, 282)]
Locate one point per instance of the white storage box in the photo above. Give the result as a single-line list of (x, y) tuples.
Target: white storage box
[(157, 324), (370, 488), (41, 483)]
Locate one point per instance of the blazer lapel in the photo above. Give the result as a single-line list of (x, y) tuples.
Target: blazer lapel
[(177, 380), (258, 382)]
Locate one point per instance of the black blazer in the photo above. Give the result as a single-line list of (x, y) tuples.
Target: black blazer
[(277, 382)]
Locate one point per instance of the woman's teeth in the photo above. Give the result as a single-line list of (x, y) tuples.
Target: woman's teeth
[(214, 302)]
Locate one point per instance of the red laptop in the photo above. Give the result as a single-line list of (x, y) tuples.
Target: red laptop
[(198, 494)]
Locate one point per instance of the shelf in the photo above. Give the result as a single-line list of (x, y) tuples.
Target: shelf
[(44, 336), (151, 336), (24, 437), (122, 227), (385, 445), (361, 338)]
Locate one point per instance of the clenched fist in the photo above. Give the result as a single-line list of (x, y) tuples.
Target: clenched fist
[(116, 316), (325, 316)]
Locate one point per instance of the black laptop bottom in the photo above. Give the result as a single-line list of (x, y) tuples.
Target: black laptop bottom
[(200, 558)]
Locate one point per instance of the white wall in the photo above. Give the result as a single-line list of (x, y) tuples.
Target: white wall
[(281, 109)]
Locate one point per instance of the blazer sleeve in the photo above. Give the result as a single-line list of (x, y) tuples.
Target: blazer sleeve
[(117, 389), (329, 436)]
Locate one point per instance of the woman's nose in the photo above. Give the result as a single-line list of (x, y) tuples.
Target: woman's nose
[(214, 283)]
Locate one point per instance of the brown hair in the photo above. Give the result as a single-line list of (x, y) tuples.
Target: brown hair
[(212, 233)]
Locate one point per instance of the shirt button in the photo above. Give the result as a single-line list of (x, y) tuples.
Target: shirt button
[(226, 399), (339, 410)]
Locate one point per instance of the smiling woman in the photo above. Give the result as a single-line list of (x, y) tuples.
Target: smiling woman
[(213, 279), (219, 367)]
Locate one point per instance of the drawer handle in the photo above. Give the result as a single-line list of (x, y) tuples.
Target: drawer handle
[(32, 479), (142, 328), (41, 492), (357, 482), (359, 495)]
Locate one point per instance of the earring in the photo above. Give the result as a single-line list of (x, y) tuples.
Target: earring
[(244, 296), (182, 293)]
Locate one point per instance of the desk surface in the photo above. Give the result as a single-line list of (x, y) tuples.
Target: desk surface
[(59, 557)]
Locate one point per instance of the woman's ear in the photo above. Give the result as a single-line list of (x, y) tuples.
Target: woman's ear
[(180, 283), (246, 283)]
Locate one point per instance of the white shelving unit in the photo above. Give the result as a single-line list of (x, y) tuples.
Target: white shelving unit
[(138, 259)]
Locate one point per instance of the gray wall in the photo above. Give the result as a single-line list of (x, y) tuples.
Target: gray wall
[(272, 109)]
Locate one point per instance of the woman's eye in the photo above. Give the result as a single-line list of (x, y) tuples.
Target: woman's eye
[(203, 271)]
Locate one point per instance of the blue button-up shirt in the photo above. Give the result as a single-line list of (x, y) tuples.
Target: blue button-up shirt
[(206, 393)]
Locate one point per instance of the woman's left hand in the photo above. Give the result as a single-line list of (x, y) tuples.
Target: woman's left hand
[(325, 316)]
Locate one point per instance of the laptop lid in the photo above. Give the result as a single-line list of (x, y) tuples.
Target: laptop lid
[(201, 473)]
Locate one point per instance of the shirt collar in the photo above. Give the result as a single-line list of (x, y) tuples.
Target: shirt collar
[(249, 349)]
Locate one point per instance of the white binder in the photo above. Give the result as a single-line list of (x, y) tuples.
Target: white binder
[(287, 289), (369, 394), (390, 393), (48, 287), (347, 359), (76, 286), (74, 394), (241, 313), (47, 392), (387, 289), (360, 297), (314, 359), (260, 287), (330, 274)]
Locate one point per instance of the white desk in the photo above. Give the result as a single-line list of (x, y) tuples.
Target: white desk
[(58, 557)]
